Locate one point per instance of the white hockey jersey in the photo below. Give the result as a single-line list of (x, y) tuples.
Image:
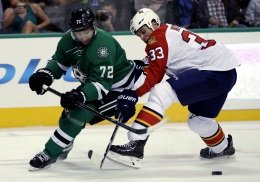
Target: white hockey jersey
[(172, 49)]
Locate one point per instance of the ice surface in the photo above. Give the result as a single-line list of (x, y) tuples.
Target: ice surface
[(171, 154)]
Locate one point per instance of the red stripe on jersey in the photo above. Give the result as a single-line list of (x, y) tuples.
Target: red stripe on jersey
[(148, 117), (215, 139), (157, 51)]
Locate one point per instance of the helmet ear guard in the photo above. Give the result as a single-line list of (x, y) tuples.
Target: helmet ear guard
[(81, 19), (143, 17)]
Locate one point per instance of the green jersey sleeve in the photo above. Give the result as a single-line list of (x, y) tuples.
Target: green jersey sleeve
[(67, 54)]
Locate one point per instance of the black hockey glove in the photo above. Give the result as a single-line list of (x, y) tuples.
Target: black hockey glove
[(40, 78), (70, 99), (125, 108)]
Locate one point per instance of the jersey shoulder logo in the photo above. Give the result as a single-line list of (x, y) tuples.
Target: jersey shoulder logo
[(102, 52), (152, 40)]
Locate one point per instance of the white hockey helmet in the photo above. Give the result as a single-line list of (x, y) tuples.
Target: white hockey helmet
[(144, 16)]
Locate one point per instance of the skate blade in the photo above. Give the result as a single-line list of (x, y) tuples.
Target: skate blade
[(124, 160), (219, 157), (32, 169)]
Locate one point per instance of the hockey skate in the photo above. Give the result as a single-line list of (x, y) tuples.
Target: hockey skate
[(129, 154), (207, 153), (40, 161), (65, 152)]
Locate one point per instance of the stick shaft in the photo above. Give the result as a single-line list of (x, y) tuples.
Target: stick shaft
[(83, 106), (112, 138)]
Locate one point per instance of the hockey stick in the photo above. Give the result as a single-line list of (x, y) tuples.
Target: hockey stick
[(112, 138), (83, 106)]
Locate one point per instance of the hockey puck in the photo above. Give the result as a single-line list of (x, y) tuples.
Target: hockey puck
[(216, 172), (90, 152)]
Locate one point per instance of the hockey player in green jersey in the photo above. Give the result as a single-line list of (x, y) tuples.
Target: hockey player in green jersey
[(101, 66)]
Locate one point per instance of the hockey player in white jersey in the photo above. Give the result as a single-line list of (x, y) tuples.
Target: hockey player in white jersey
[(201, 74)]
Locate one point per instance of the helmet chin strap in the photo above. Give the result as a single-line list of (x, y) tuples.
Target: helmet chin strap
[(73, 36)]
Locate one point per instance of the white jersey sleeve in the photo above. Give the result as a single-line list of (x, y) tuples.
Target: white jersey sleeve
[(187, 50)]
